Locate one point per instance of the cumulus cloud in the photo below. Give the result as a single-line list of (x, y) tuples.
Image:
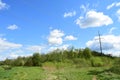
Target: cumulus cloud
[(35, 48), (69, 14), (12, 27), (63, 47), (115, 4), (13, 55), (70, 37), (16, 53), (110, 43), (6, 45), (3, 5), (55, 37), (93, 19)]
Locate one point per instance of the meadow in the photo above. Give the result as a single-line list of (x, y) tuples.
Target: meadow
[(58, 71), (73, 64)]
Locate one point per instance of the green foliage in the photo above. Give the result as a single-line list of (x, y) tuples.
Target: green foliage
[(87, 53), (28, 61), (71, 64), (22, 73), (116, 67), (36, 59), (62, 71), (107, 61), (80, 53), (71, 53), (55, 56), (79, 62), (19, 62), (96, 62), (79, 57), (7, 62), (6, 67)]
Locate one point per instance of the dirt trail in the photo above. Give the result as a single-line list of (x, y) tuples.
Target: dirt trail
[(94, 77), (49, 73)]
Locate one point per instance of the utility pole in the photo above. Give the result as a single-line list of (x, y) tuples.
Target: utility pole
[(100, 42)]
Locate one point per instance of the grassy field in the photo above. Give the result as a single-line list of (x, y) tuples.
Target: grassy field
[(56, 72)]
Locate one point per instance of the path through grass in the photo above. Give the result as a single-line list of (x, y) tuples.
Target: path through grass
[(53, 73)]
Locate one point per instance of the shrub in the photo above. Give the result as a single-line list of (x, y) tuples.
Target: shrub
[(6, 67), (81, 62), (87, 53), (96, 62), (116, 67)]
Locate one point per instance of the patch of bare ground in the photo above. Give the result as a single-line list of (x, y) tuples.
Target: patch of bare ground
[(94, 77)]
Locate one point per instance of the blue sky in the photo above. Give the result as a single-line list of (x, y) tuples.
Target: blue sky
[(28, 26)]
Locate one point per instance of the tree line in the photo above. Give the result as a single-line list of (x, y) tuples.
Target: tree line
[(57, 55)]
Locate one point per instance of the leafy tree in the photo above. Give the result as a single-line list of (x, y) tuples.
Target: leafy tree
[(28, 61), (71, 53), (7, 62), (1, 62), (87, 53), (36, 59), (18, 62), (80, 53), (44, 58)]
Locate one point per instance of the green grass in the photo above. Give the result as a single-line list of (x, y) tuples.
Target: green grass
[(55, 73), (22, 73)]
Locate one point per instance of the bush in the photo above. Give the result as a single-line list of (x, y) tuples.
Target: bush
[(116, 67), (97, 62), (107, 61), (6, 67), (87, 53), (81, 62)]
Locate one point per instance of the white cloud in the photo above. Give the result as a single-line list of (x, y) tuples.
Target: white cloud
[(35, 48), (55, 37), (3, 5), (5, 45), (93, 19), (63, 47), (12, 27), (111, 5), (118, 14), (16, 53), (115, 4), (13, 56), (85, 7), (70, 37), (69, 14), (111, 30), (110, 43), (2, 58)]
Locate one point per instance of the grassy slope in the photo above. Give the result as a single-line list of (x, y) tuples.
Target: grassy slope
[(57, 72), (22, 73)]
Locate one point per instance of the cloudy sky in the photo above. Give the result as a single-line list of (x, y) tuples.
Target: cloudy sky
[(28, 26)]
